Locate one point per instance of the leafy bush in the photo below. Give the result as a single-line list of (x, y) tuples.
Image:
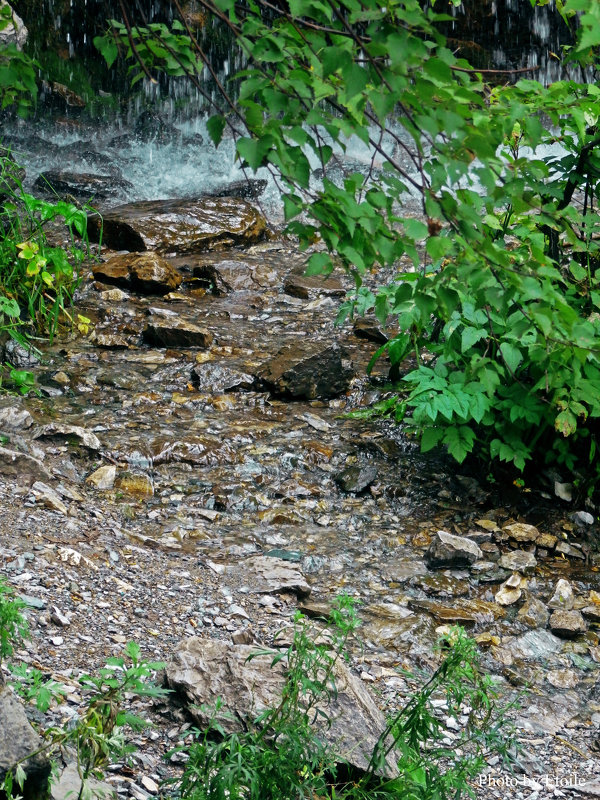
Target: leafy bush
[(494, 289), (37, 280), (280, 755)]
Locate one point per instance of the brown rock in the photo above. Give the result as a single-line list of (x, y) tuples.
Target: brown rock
[(83, 184), (147, 273), (161, 332), (178, 226), (308, 287), (567, 624)]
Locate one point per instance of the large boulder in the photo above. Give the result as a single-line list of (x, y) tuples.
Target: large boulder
[(17, 741), (178, 226), (306, 370), (203, 670), (147, 273)]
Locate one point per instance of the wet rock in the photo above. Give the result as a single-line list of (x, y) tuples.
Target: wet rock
[(203, 669), (447, 550), (17, 741), (591, 612), (510, 591), (562, 678), (563, 596), (572, 551), (104, 477), (309, 287), (461, 611), (15, 418), (151, 127), (567, 624), (20, 356), (356, 478), (63, 431), (68, 786), (534, 613), (233, 275), (536, 645), (87, 185), (442, 585), (369, 328), (519, 561), (178, 226), (147, 273), (25, 467), (218, 378), (46, 496), (521, 532), (15, 32), (265, 575), (307, 370), (178, 332), (583, 518), (140, 485), (250, 189)]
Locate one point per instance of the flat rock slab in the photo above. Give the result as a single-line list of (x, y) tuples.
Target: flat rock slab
[(147, 273), (307, 370), (267, 575), (83, 184), (176, 333), (68, 786), (17, 741), (178, 226), (309, 287), (206, 669)]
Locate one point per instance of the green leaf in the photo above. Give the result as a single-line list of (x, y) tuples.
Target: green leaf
[(511, 355), (215, 126)]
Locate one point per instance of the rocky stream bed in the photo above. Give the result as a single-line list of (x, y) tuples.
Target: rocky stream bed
[(188, 472)]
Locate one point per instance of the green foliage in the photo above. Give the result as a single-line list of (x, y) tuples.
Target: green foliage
[(13, 625), (97, 737), (37, 280), (281, 756), (18, 72), (495, 290)]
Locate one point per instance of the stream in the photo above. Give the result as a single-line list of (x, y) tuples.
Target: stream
[(162, 456)]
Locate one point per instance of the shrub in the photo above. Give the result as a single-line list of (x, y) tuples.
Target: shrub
[(495, 287)]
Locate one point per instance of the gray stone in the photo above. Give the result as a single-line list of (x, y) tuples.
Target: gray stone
[(236, 274), (536, 645), (567, 624), (448, 550), (219, 378), (68, 786), (82, 184), (103, 477), (266, 575), (46, 496), (16, 32), (15, 418), (563, 596), (63, 431), (357, 478), (14, 463), (519, 561), (17, 741), (204, 669), (306, 371), (534, 613)]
